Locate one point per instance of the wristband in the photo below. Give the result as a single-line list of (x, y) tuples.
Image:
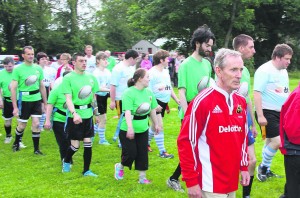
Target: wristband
[(73, 112)]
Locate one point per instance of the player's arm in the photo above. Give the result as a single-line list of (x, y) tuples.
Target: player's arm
[(128, 118), (173, 95), (76, 118), (14, 85), (96, 109), (112, 97), (1, 100), (49, 110), (43, 92), (250, 109), (258, 108), (182, 99)]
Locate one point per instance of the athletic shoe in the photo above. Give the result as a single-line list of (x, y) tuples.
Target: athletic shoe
[(272, 174), (22, 145), (119, 173), (262, 173), (104, 142), (38, 152), (16, 147), (166, 155), (66, 167), (144, 181), (8, 140), (149, 148), (175, 185), (115, 138), (90, 173)]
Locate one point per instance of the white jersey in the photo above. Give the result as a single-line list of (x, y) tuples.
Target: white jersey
[(49, 75), (119, 77), (160, 84), (273, 84), (103, 78), (90, 64)]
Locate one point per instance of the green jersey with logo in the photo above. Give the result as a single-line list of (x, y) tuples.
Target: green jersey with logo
[(82, 88), (58, 100), (28, 78), (190, 72), (5, 81), (132, 99)]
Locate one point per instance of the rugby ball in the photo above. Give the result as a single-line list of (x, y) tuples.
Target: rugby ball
[(85, 92), (203, 83), (144, 108), (243, 90), (30, 80), (212, 82)]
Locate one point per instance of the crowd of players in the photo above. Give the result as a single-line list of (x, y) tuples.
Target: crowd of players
[(68, 95)]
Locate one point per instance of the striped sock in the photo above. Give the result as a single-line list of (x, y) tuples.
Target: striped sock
[(42, 121), (268, 155), (159, 139), (151, 135), (101, 132)]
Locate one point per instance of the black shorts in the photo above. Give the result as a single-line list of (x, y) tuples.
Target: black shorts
[(164, 106), (7, 112), (102, 104), (80, 131), (273, 119), (28, 109)]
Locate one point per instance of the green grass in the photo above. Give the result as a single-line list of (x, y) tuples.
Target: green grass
[(25, 175)]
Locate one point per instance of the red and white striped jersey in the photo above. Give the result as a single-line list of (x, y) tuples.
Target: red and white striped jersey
[(212, 144)]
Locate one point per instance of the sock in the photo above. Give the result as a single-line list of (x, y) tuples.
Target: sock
[(151, 135), (268, 155), (87, 155), (36, 140), (177, 173), (159, 139), (70, 152), (142, 175), (101, 132), (247, 189), (42, 121), (19, 135), (8, 131)]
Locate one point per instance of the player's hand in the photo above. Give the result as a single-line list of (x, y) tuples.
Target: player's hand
[(157, 129), (97, 119), (130, 133), (112, 105), (245, 178), (254, 131), (16, 112), (262, 121), (194, 192), (47, 124), (77, 119)]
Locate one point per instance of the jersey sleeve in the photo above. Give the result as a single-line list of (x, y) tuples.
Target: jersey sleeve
[(66, 86), (154, 103), (182, 76), (52, 97), (127, 101), (187, 142)]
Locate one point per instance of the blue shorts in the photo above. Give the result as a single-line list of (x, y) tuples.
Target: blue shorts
[(251, 139)]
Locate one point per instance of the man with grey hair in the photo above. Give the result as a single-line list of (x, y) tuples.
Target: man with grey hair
[(212, 144)]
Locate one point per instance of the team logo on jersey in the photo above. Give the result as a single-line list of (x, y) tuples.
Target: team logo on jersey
[(228, 129), (30, 80), (217, 109), (239, 109)]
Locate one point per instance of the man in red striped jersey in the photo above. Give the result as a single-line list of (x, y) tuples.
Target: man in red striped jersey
[(212, 144)]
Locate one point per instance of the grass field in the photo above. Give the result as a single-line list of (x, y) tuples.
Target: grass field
[(25, 175)]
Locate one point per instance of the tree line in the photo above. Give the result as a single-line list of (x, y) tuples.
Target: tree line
[(57, 26)]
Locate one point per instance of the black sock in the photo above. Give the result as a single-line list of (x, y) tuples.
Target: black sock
[(7, 130), (177, 173), (70, 152), (19, 135), (36, 140), (247, 189), (87, 156)]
